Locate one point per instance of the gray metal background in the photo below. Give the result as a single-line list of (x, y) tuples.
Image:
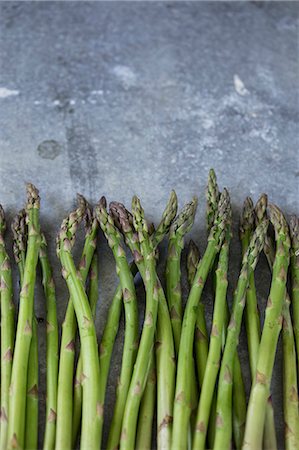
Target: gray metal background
[(122, 98)]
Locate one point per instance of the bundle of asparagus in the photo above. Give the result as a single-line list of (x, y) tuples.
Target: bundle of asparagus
[(180, 384)]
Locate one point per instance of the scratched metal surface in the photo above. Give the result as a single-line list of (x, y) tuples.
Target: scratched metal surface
[(122, 98)]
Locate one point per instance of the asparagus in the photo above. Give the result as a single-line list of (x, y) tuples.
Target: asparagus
[(142, 363), (31, 416), (193, 258), (269, 439), (290, 389), (201, 341), (214, 355), (224, 397), (252, 319), (131, 316), (164, 346), (182, 393), (294, 231), (92, 410), (147, 409), (239, 398), (64, 418), (181, 226), (93, 298), (272, 326), (17, 402), (290, 385), (31, 427), (7, 330), (109, 335), (52, 347)]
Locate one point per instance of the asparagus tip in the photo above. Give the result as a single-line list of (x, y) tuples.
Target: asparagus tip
[(123, 219), (2, 220), (294, 232), (212, 197), (193, 257), (261, 207), (33, 199), (184, 221), (277, 219), (247, 216)]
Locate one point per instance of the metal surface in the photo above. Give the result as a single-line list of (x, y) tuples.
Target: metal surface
[(123, 98)]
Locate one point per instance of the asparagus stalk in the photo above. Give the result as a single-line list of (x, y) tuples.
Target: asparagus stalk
[(93, 295), (201, 341), (224, 397), (92, 410), (193, 258), (147, 409), (131, 317), (214, 355), (142, 363), (272, 326), (31, 421), (51, 347), (239, 398), (164, 339), (17, 402), (182, 393), (294, 231), (252, 319), (7, 330), (290, 389), (290, 385), (64, 421), (31, 427), (181, 226), (269, 439)]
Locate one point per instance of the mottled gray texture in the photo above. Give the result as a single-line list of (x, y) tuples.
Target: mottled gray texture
[(124, 98)]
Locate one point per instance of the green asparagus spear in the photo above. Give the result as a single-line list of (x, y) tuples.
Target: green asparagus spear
[(214, 355), (294, 231), (269, 438), (181, 226), (131, 316), (290, 384), (224, 398), (252, 319), (64, 419), (31, 427), (20, 234), (52, 347), (273, 320), (201, 347), (290, 389), (93, 295), (17, 402), (7, 330), (142, 363), (147, 409), (92, 410), (201, 339), (182, 394)]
